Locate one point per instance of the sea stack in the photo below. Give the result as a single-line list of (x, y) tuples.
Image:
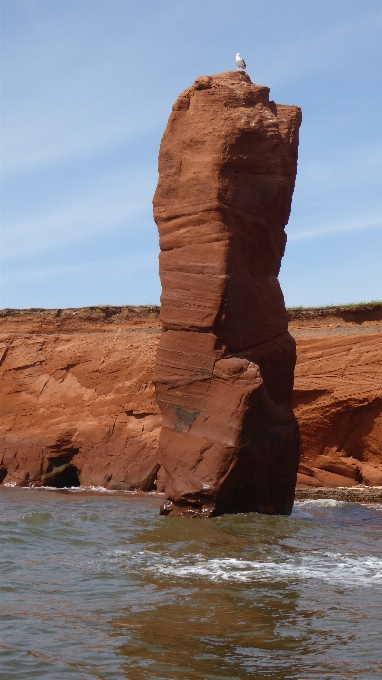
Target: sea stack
[(225, 364)]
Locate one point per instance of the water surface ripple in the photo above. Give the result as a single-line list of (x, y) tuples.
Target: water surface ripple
[(99, 586)]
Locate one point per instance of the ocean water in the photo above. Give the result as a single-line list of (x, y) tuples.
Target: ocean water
[(97, 585)]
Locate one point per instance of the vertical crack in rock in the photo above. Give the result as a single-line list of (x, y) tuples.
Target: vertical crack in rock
[(225, 364)]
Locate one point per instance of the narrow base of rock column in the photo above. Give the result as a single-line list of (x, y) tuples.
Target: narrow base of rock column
[(226, 447)]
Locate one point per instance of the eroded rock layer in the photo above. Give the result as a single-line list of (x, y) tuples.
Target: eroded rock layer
[(77, 404), (224, 372), (338, 403)]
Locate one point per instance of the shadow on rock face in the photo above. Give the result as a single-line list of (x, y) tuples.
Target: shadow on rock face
[(3, 473)]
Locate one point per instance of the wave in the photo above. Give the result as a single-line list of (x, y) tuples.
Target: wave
[(347, 570), (81, 489), (319, 503)]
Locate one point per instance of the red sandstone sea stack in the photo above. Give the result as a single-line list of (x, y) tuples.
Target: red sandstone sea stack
[(224, 371)]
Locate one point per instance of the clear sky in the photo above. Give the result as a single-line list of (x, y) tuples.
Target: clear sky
[(86, 90)]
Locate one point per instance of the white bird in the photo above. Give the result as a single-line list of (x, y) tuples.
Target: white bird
[(240, 63)]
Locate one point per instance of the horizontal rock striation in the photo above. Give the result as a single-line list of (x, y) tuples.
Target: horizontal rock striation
[(112, 438), (224, 371), (338, 402)]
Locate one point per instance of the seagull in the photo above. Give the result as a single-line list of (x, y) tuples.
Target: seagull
[(241, 65)]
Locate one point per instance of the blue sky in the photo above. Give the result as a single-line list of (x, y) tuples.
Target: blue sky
[(86, 90)]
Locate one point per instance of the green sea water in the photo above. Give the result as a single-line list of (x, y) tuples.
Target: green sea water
[(97, 585)]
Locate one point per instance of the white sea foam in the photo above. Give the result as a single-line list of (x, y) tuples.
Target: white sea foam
[(92, 487), (319, 503), (337, 568), (73, 489), (327, 567)]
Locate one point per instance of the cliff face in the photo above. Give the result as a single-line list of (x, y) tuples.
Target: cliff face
[(338, 402), (76, 390), (224, 370), (77, 400)]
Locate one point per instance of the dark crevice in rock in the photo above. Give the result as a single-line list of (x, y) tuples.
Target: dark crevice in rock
[(138, 414), (147, 483), (3, 473), (3, 356)]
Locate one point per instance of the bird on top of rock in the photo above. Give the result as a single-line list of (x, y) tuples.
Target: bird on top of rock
[(241, 65)]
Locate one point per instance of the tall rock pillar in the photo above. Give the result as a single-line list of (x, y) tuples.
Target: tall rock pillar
[(225, 364)]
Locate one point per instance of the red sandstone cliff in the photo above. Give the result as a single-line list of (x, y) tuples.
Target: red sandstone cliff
[(75, 389), (338, 398), (77, 398)]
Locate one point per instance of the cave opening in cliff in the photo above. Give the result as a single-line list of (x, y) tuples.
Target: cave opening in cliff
[(62, 473), (66, 478)]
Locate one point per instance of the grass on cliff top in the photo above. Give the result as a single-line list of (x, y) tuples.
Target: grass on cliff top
[(369, 308), (374, 306)]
